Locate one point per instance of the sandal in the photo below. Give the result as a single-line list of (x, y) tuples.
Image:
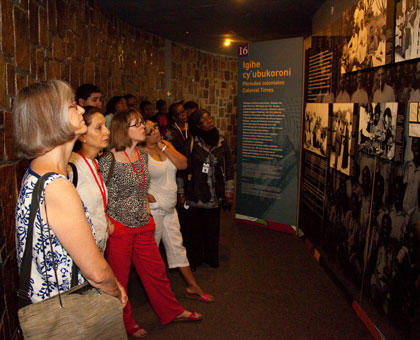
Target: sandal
[(206, 297), (137, 332), (194, 316)]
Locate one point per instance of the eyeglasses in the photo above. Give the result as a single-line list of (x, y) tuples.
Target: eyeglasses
[(137, 124), (152, 129)]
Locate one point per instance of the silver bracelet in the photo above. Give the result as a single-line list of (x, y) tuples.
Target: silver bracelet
[(164, 148)]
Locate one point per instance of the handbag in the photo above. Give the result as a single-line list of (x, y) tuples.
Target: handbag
[(83, 312)]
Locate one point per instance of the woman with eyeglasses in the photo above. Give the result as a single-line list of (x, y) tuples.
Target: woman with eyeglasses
[(207, 186), (49, 111), (125, 170), (164, 161)]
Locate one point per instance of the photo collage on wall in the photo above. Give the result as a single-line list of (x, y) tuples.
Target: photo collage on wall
[(366, 183)]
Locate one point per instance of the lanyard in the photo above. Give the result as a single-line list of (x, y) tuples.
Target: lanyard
[(101, 186), (182, 134), (144, 179)]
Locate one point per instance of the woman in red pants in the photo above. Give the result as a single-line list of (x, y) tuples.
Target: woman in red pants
[(125, 172)]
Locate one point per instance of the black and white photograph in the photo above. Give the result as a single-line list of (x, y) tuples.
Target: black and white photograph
[(391, 262), (316, 128), (360, 93), (377, 129), (364, 25), (407, 30), (414, 120), (347, 219), (341, 132), (383, 89)]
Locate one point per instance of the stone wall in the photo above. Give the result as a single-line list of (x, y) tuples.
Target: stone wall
[(211, 81), (79, 42)]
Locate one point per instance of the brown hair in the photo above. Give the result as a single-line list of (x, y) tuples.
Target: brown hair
[(119, 128), (87, 117), (40, 118)]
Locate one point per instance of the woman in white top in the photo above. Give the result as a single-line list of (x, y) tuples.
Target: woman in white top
[(90, 184), (163, 163)]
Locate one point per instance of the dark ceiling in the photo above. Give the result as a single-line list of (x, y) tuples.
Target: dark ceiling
[(205, 24)]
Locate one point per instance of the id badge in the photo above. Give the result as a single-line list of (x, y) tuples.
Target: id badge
[(205, 169)]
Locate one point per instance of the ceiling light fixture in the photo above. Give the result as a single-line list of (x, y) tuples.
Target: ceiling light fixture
[(227, 42)]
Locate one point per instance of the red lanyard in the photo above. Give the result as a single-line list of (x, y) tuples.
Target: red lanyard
[(100, 186), (144, 179)]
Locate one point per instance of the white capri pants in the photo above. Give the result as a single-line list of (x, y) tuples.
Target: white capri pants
[(168, 230)]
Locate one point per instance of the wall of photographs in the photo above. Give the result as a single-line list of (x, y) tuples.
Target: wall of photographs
[(360, 174)]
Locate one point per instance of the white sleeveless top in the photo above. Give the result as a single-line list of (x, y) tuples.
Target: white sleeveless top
[(163, 182), (91, 197), (40, 266)]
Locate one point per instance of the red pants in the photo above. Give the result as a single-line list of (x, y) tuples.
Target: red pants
[(138, 246)]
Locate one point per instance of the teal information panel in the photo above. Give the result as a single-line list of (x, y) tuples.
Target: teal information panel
[(269, 118)]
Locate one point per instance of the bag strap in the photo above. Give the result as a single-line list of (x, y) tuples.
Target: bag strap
[(25, 271), (225, 154), (75, 175), (74, 280), (192, 145), (111, 169), (189, 161)]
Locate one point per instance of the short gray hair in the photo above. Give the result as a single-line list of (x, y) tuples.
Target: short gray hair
[(41, 119)]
